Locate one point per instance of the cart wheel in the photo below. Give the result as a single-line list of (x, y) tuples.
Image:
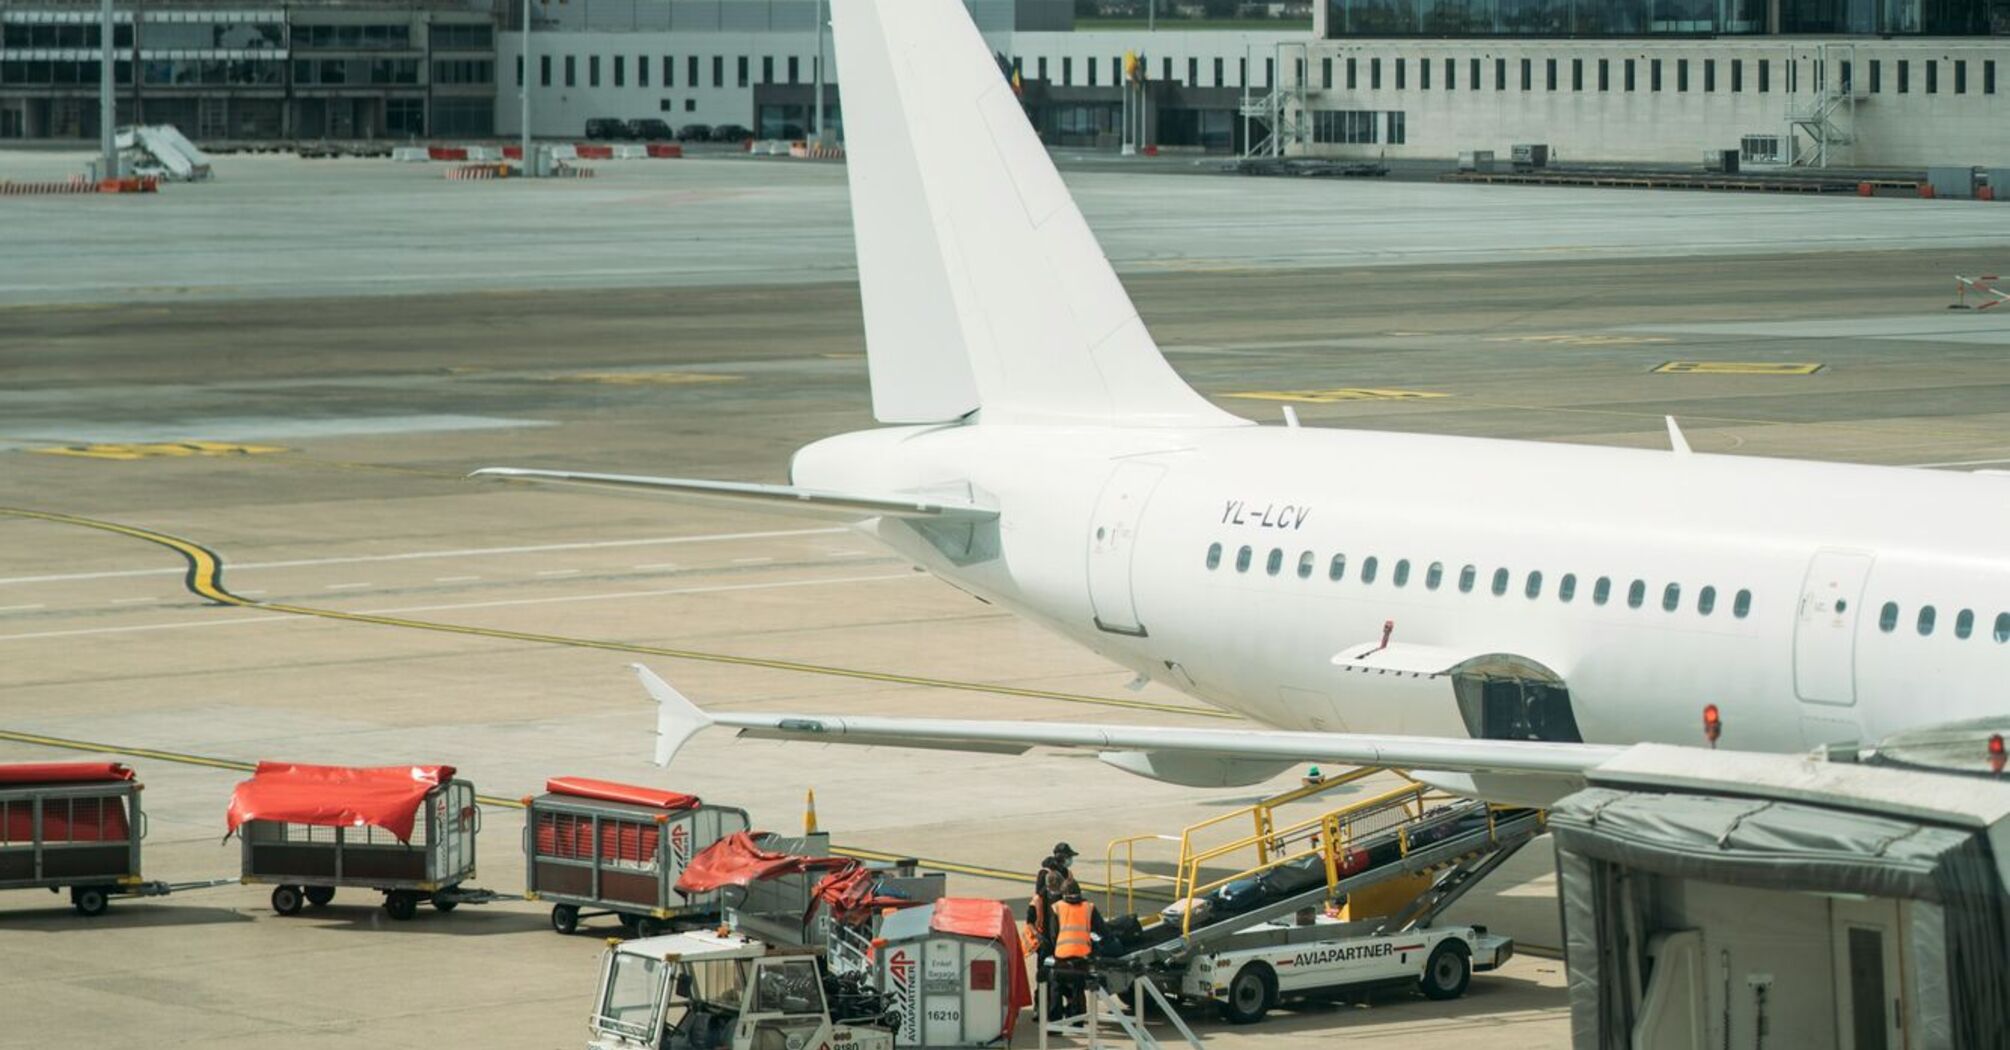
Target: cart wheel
[(628, 923), (401, 904), (319, 896), (89, 900), (645, 927), (445, 904), (1447, 972), (564, 918), (286, 900)]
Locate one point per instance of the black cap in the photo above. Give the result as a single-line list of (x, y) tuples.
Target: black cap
[(1062, 849)]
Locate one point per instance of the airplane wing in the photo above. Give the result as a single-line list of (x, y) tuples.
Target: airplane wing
[(788, 499), (678, 720)]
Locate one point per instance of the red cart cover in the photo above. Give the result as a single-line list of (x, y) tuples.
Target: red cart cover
[(570, 836), (336, 796), (64, 773), (736, 861), (991, 920), (609, 791)]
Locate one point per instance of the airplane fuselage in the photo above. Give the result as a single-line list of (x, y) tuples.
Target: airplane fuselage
[(1811, 602)]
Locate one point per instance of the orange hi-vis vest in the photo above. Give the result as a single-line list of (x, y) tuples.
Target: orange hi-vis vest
[(1072, 940)]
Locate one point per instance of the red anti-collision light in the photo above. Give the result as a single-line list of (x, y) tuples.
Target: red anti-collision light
[(1996, 754), (1713, 724)]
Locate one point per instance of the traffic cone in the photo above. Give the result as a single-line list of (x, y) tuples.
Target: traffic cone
[(810, 812)]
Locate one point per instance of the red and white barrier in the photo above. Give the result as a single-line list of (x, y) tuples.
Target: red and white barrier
[(79, 184), (479, 171)]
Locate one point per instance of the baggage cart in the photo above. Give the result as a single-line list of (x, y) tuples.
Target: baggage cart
[(75, 826), (594, 848), (407, 832)]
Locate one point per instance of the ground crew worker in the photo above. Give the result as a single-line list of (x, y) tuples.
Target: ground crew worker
[(1076, 927), (1049, 886)]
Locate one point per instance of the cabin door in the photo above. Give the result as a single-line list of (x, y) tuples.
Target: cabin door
[(1825, 627)]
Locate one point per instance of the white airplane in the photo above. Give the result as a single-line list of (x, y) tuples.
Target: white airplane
[(1507, 612)]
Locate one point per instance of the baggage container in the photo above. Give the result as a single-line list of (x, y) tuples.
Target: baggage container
[(405, 831), (594, 847), (951, 970), (74, 825)]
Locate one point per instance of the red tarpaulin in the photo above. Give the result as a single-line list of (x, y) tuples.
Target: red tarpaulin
[(991, 920), (63, 773), (387, 797), (736, 861), (609, 791)]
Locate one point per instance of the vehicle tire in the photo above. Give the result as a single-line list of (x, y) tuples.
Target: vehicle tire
[(564, 918), (445, 905), (1447, 971), (628, 923), (646, 927), (401, 904), (287, 900), (319, 896), (1250, 995), (89, 900)]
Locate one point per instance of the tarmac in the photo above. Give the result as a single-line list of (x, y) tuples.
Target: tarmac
[(294, 367)]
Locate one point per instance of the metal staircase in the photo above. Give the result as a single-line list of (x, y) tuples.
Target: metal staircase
[(1820, 122), (1282, 114)]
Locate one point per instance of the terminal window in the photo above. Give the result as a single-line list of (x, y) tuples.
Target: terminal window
[(767, 69), (1960, 77), (1709, 74), (718, 71), (620, 71), (1423, 74), (641, 70), (1068, 71), (1473, 74), (1399, 74), (669, 71), (1629, 74), (1527, 77), (1738, 74), (1217, 72), (1347, 127), (1500, 74), (544, 70), (1989, 77), (1165, 69), (1932, 76), (1681, 74), (519, 71), (690, 72), (1350, 73), (1604, 74), (794, 72), (1577, 74), (1396, 139), (1549, 74), (593, 71), (1193, 72), (1451, 74), (1765, 75), (1653, 74), (570, 72), (740, 71), (1325, 73), (1374, 74), (1904, 76), (1042, 65)]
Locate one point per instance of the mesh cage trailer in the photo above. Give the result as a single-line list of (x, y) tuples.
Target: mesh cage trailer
[(74, 825), (594, 847), (307, 835)]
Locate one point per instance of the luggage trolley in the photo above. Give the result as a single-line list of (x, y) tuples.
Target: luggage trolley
[(594, 847), (405, 831), (75, 824)]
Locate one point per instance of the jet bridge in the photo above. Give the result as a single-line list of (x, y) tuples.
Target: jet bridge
[(1219, 889)]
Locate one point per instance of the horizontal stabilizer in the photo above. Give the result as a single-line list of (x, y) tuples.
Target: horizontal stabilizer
[(782, 499)]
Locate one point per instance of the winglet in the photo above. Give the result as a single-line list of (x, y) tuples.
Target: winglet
[(1675, 439), (677, 718)]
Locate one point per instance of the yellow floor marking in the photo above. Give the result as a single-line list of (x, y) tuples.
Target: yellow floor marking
[(1581, 340), (205, 580), (159, 450), (1325, 397), (1739, 368), (512, 802), (646, 378)]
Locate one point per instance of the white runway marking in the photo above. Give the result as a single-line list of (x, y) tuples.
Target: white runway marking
[(1961, 463), (132, 601), (558, 572), (278, 617), (20, 608), (443, 579), (346, 586), (472, 552)]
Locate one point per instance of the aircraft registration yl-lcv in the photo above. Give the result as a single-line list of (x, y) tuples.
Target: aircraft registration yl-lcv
[(1507, 612)]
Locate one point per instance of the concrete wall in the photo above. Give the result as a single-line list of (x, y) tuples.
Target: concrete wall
[(1913, 129)]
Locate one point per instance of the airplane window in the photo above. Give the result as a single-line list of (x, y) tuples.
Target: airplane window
[(1533, 588), (1402, 571), (1636, 593), (1466, 577), (1566, 588), (1742, 604), (1601, 590), (1964, 623), (1337, 567), (2003, 627), (1214, 556), (1434, 575), (1706, 600), (1671, 597), (1242, 559), (1500, 581), (1368, 569), (1305, 561), (1925, 620), (1275, 561), (1887, 617)]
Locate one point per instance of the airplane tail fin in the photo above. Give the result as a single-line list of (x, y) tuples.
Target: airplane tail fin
[(984, 291)]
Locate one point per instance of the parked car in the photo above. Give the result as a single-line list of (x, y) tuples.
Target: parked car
[(606, 128), (792, 132), (694, 133), (650, 129), (731, 133)]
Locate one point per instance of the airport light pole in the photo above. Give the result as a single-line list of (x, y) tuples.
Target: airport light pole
[(523, 93), (108, 106), (817, 71)]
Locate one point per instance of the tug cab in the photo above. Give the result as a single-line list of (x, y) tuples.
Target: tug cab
[(705, 991)]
